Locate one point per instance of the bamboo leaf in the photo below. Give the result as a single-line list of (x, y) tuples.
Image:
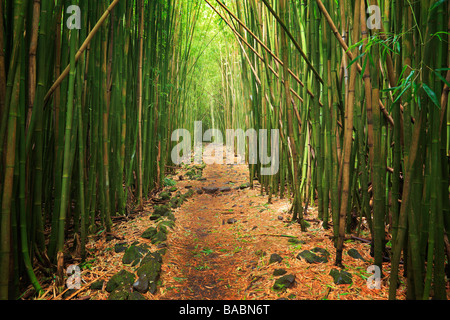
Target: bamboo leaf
[(431, 94)]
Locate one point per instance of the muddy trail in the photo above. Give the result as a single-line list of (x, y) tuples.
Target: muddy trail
[(223, 241)]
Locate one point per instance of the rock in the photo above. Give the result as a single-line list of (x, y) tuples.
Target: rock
[(187, 195), (120, 293), (149, 233), (152, 287), (341, 276), (311, 257), (159, 237), (284, 282), (123, 277), (120, 247), (173, 189), (244, 186), (97, 285), (322, 251), (163, 225), (225, 189), (231, 221), (279, 272), (150, 270), (188, 187), (275, 257), (133, 255), (210, 190), (280, 218), (136, 296), (164, 195), (355, 254), (141, 285), (199, 191), (161, 210), (296, 241), (175, 202), (151, 256)]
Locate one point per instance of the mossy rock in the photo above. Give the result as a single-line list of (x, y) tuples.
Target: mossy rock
[(121, 278), (341, 276), (161, 210), (134, 254), (310, 257), (296, 241), (164, 195), (136, 296), (176, 202), (355, 254), (275, 257), (120, 247), (284, 282), (97, 285), (152, 256), (159, 237), (150, 270), (279, 272), (166, 224), (322, 251), (149, 233), (188, 194), (173, 189), (120, 293)]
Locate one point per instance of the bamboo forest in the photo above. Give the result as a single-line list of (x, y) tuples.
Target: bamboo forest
[(224, 150)]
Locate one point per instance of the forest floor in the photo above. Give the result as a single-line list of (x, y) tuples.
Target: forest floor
[(221, 245)]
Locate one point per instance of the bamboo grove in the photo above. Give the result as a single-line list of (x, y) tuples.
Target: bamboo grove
[(85, 120), (362, 111), (87, 114)]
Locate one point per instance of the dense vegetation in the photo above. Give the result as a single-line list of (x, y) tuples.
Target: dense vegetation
[(362, 108)]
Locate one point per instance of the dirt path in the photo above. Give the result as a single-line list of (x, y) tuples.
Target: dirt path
[(221, 244)]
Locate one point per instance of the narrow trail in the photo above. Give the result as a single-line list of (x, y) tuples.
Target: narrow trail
[(224, 237)]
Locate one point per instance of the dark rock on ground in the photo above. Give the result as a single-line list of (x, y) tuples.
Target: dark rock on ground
[(120, 293), (311, 257), (284, 282), (97, 285), (355, 254), (231, 221), (341, 276), (199, 191), (275, 257), (164, 195), (120, 247), (134, 254), (159, 237), (141, 285), (279, 272), (151, 270), (149, 233), (296, 241), (210, 190), (123, 277), (322, 251), (136, 296), (225, 189)]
